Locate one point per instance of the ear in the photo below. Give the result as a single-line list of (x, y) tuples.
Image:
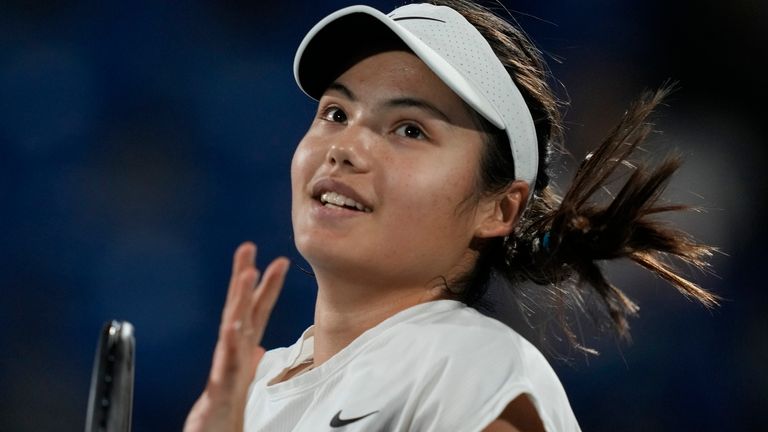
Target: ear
[(498, 214)]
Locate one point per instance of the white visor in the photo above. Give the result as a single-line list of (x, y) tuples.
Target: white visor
[(447, 43)]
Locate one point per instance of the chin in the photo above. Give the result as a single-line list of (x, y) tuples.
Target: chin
[(327, 254), (354, 264)]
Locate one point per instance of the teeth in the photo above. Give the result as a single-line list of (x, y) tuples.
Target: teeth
[(342, 201)]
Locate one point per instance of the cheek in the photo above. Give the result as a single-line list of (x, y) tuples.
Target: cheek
[(301, 165), (428, 218), (296, 164), (430, 197), (301, 172)]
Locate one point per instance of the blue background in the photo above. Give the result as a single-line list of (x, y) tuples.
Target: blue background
[(140, 142)]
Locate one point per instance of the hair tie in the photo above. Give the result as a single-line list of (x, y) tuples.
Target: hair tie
[(541, 243), (545, 241)]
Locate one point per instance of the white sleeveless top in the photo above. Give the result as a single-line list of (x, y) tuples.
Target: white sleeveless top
[(438, 366)]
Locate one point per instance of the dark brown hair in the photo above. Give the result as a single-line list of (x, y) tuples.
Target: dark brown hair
[(558, 243)]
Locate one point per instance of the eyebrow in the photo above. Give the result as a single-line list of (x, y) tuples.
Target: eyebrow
[(408, 102), (341, 88), (417, 103)]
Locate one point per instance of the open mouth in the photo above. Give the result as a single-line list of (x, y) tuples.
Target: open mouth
[(337, 200)]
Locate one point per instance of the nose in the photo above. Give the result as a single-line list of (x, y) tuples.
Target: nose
[(350, 151)]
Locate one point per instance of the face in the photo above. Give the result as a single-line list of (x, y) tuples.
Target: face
[(384, 181)]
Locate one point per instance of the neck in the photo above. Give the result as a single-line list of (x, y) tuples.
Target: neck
[(346, 310)]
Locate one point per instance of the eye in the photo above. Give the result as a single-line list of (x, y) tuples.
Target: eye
[(334, 114), (410, 130)]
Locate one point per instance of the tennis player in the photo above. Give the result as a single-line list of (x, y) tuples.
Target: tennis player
[(424, 172)]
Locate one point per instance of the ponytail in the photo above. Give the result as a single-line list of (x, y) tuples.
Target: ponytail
[(559, 243), (562, 247)]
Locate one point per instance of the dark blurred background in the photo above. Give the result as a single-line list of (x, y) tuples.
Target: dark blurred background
[(140, 142)]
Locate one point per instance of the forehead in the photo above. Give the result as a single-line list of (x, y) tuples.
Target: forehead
[(390, 70), (394, 74)]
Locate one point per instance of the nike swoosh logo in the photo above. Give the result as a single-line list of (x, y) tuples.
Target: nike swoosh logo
[(417, 17), (337, 421)]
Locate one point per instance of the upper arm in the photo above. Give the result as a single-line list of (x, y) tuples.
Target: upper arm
[(519, 416), (500, 425)]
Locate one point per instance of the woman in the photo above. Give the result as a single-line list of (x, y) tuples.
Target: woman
[(423, 173)]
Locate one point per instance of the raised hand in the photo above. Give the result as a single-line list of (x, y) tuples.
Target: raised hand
[(238, 351)]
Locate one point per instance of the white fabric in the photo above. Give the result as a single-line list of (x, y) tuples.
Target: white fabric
[(438, 366)]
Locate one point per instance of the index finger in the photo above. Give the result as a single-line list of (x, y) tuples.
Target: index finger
[(265, 296), (244, 258)]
